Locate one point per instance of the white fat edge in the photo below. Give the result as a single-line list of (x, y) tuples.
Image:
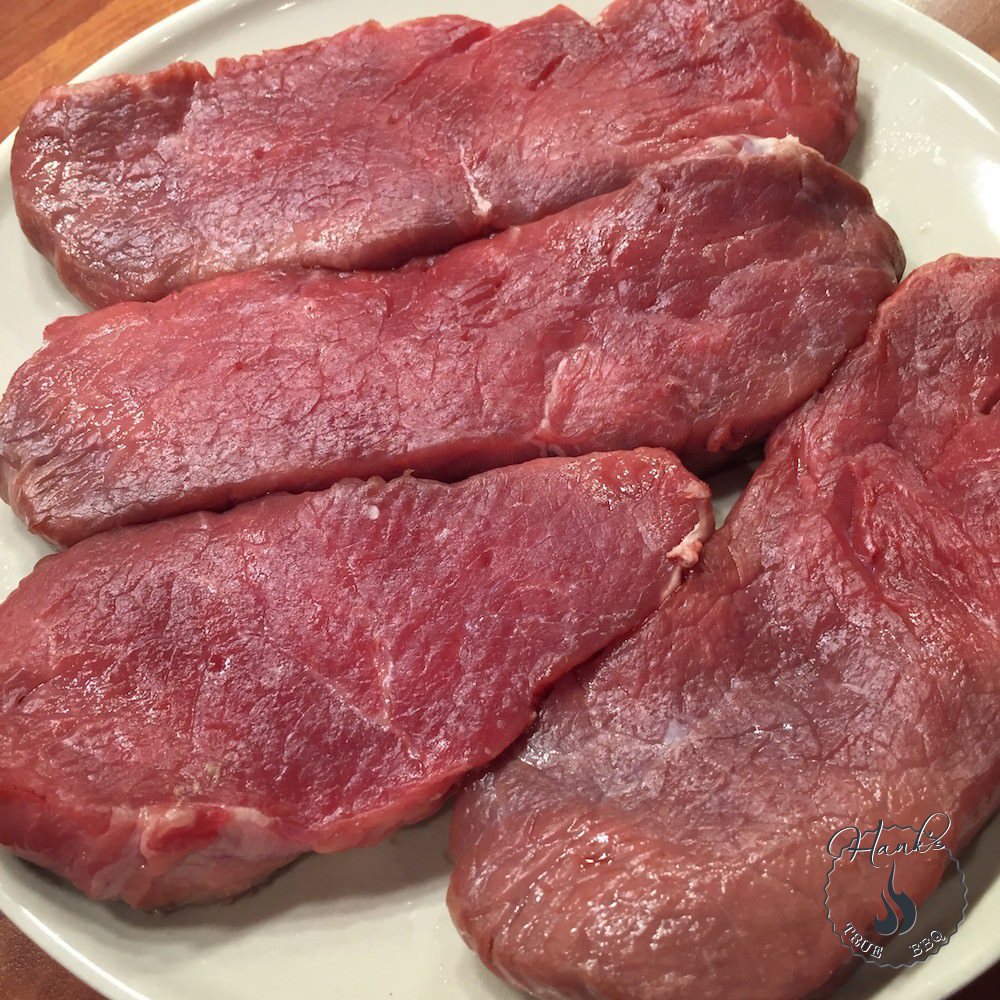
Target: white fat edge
[(576, 357), (688, 549), (483, 205), (748, 145)]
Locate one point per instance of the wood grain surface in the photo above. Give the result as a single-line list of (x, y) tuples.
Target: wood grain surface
[(44, 42)]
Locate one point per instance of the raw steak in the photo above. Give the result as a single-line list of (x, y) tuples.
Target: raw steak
[(690, 310), (373, 146), (187, 706), (833, 660)]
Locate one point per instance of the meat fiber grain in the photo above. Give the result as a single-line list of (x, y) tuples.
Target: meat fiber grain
[(834, 660), (691, 310), (379, 144), (187, 706)]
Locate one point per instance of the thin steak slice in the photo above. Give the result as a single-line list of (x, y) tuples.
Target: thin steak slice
[(833, 660), (376, 145), (187, 706), (690, 310)]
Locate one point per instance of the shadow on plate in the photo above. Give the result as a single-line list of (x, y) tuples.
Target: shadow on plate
[(856, 158), (409, 864)]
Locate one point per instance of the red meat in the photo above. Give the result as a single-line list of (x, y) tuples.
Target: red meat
[(834, 660), (691, 310), (187, 706), (376, 145)]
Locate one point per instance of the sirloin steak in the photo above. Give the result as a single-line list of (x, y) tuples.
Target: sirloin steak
[(834, 660), (379, 144), (187, 706), (691, 310)]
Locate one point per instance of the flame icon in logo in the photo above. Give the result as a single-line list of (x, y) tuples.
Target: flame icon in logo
[(891, 924)]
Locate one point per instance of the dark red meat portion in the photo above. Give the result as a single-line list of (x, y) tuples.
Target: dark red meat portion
[(691, 310), (187, 706), (834, 659), (376, 145)]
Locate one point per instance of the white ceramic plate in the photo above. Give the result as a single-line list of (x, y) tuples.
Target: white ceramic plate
[(372, 923)]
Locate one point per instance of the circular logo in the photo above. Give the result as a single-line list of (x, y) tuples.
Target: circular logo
[(874, 881)]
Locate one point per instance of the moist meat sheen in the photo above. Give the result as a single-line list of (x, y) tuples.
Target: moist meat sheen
[(833, 660), (379, 144), (691, 310), (187, 706)]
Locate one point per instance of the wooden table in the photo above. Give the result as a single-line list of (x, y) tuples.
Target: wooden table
[(49, 41)]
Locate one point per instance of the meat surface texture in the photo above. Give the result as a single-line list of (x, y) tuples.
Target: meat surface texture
[(380, 144), (691, 310), (187, 706), (833, 660)]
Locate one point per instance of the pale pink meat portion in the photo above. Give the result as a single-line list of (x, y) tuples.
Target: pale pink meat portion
[(187, 706), (833, 660), (380, 144), (690, 310)]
